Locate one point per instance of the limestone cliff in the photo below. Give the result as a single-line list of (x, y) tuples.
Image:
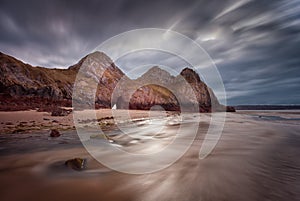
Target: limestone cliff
[(23, 86)]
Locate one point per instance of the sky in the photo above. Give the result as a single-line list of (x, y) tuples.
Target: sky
[(255, 44)]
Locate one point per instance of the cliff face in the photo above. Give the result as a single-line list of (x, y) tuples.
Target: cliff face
[(100, 71), (20, 80), (23, 86), (157, 87)]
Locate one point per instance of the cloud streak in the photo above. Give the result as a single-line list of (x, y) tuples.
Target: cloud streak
[(255, 43)]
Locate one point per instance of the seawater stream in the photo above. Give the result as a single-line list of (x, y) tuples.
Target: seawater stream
[(256, 158)]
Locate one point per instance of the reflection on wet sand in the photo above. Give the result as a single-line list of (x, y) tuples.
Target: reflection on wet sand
[(255, 159)]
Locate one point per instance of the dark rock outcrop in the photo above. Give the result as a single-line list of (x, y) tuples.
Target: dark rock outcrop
[(57, 112), (76, 164), (230, 109), (54, 133)]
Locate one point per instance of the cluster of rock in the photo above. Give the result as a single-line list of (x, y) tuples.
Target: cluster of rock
[(23, 86)]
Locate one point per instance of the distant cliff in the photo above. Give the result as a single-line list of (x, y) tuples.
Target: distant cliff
[(158, 87), (23, 86)]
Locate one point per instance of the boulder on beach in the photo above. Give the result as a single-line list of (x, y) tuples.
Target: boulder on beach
[(76, 163), (60, 112), (54, 133), (230, 109)]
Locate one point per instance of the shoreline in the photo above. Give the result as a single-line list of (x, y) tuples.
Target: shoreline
[(33, 120), (29, 121)]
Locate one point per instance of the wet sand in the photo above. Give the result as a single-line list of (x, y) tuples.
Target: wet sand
[(33, 121), (257, 158)]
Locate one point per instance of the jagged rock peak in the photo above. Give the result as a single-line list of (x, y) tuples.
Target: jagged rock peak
[(190, 75), (98, 56), (156, 74), (157, 71)]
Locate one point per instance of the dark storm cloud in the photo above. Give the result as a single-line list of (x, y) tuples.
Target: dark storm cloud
[(255, 43)]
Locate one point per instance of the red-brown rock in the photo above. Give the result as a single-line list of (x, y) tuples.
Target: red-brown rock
[(54, 133), (24, 87)]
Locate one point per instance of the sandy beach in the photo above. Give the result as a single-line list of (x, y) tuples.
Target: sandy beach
[(256, 158), (29, 121)]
